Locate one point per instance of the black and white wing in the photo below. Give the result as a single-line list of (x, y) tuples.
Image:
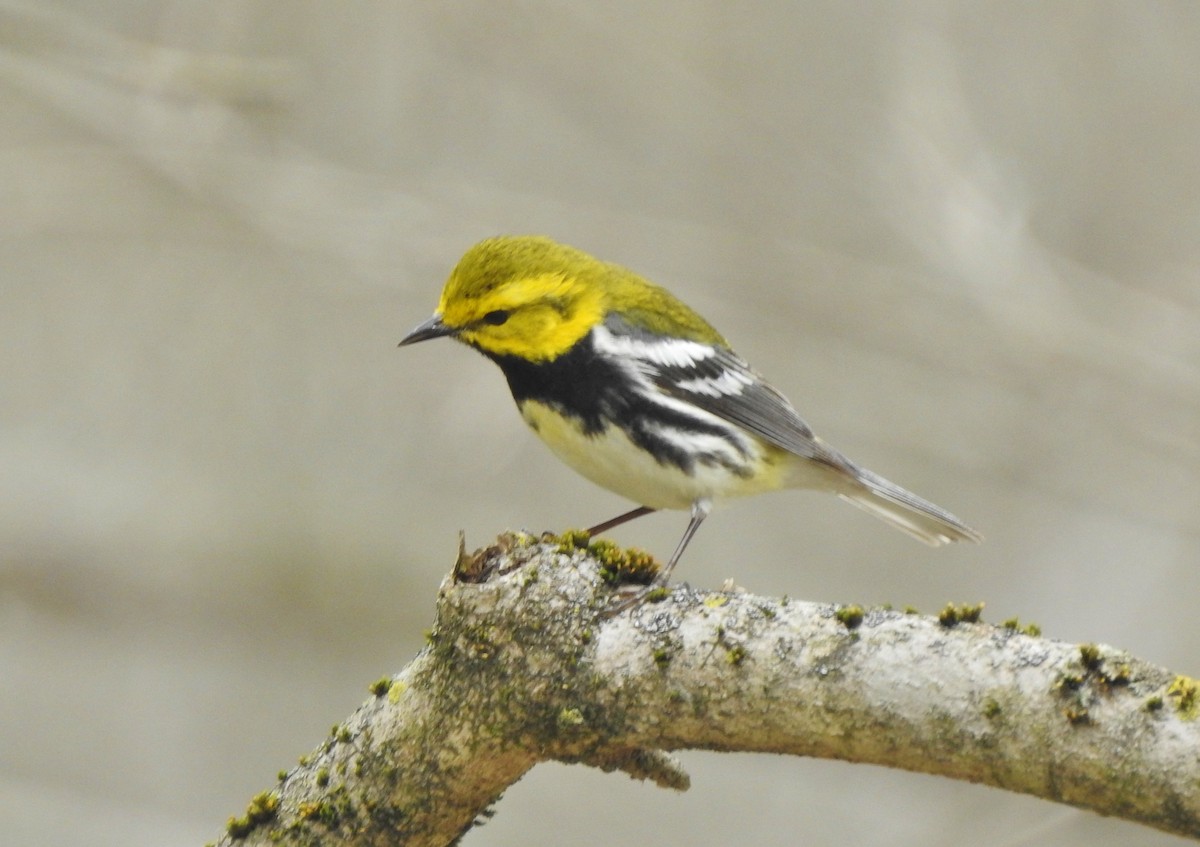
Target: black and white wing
[(715, 379)]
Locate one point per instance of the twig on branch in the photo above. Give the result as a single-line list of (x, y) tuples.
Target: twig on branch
[(523, 667)]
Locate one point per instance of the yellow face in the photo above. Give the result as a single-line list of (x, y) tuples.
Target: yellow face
[(531, 297), (536, 317)]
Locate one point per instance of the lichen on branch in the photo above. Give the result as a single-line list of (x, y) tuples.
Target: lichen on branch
[(524, 665)]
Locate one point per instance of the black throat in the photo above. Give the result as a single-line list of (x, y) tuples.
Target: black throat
[(599, 392), (579, 383)]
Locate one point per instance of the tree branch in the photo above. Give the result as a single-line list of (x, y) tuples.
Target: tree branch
[(523, 666)]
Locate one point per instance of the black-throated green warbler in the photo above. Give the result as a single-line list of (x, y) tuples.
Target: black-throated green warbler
[(638, 393)]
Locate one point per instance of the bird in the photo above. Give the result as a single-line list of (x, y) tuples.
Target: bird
[(638, 393)]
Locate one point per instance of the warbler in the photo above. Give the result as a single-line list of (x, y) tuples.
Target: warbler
[(641, 395)]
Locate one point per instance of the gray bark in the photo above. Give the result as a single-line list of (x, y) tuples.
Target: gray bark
[(523, 666)]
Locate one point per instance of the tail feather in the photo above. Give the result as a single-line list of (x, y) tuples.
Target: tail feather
[(906, 511)]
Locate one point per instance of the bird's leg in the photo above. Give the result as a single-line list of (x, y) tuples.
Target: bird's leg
[(700, 510), (620, 519)]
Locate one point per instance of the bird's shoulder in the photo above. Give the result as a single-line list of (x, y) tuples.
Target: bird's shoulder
[(650, 309)]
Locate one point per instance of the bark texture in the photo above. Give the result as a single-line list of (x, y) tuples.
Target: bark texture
[(523, 666)]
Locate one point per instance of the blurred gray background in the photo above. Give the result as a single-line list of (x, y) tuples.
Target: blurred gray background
[(964, 238)]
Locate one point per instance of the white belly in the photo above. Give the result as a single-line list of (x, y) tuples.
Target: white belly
[(612, 461)]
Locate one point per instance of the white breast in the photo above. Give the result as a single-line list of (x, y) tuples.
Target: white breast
[(612, 461)]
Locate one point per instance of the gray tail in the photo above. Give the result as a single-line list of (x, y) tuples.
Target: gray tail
[(906, 511)]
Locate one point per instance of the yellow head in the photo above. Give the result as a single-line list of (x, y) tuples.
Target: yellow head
[(523, 296), (531, 297)]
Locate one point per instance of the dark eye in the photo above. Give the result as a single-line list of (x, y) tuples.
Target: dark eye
[(496, 318)]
